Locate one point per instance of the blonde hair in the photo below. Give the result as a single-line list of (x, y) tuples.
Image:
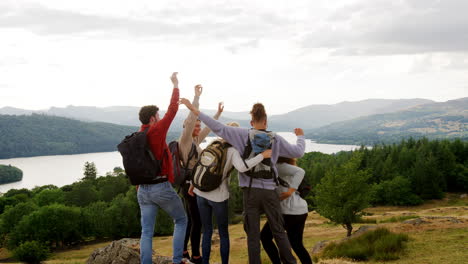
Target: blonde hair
[(233, 124)]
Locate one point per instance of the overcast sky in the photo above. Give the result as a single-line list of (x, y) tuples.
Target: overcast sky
[(286, 54)]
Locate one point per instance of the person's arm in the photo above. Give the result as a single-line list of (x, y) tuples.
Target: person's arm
[(292, 150), (297, 175), (236, 136), (185, 141), (206, 130), (164, 124), (239, 164)]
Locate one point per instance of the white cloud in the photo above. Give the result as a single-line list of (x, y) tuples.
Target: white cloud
[(286, 54)]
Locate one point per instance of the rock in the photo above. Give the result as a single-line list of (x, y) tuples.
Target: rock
[(416, 221), (124, 251), (363, 229), (319, 246)]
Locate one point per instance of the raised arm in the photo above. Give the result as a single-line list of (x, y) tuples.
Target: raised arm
[(239, 164), (236, 136), (185, 141), (206, 130), (292, 150), (165, 122)]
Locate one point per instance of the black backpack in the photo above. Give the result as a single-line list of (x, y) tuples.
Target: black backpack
[(208, 173), (304, 188), (139, 162), (182, 173)]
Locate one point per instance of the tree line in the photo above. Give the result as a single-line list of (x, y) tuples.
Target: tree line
[(106, 207)]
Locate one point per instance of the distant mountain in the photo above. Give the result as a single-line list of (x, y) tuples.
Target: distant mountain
[(312, 116), (436, 120), (315, 116)]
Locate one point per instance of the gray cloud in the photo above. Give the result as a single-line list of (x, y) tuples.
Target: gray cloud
[(390, 27), (212, 22)]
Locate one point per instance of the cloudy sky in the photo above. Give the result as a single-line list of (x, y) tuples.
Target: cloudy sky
[(286, 54)]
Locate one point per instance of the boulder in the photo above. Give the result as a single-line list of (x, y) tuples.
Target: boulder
[(416, 221), (363, 229), (319, 246), (124, 251)]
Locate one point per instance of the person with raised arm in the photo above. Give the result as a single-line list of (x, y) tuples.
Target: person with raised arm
[(259, 183), (189, 149), (161, 195)]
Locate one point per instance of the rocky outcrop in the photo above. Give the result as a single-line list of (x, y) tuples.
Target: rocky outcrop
[(124, 251)]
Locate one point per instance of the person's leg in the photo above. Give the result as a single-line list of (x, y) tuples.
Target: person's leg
[(268, 245), (184, 190), (295, 228), (148, 211), (251, 200), (206, 219), (195, 231), (170, 202), (272, 209), (221, 211)]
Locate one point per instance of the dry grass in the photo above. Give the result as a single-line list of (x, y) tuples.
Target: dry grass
[(439, 241)]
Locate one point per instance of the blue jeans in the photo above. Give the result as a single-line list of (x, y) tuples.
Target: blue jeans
[(220, 210), (151, 197)]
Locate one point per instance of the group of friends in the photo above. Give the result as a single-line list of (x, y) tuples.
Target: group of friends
[(273, 193)]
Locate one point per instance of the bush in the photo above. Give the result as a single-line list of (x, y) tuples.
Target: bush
[(396, 191), (380, 244), (31, 252), (54, 224), (49, 196)]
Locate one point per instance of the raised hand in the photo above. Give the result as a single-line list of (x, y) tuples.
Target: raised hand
[(298, 131), (198, 89), (185, 102), (174, 80), (220, 107)]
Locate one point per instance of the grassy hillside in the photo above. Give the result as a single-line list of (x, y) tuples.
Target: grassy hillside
[(35, 135), (438, 120), (438, 241)]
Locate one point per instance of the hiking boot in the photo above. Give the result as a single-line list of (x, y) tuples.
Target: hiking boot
[(196, 260)]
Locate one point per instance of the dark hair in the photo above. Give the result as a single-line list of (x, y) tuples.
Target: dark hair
[(290, 161), (146, 112), (258, 113)]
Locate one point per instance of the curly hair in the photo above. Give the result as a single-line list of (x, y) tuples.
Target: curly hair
[(146, 112), (258, 112)]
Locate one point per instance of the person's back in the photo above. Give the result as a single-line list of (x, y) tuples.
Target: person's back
[(294, 210), (258, 194), (152, 197), (215, 202)]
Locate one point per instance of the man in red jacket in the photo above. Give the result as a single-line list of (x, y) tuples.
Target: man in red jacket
[(152, 197)]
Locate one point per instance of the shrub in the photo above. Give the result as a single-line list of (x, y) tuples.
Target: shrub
[(31, 252), (379, 244), (54, 224)]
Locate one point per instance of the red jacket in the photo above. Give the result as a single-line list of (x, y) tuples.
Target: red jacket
[(157, 136)]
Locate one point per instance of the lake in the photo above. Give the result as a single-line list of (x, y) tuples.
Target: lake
[(61, 170)]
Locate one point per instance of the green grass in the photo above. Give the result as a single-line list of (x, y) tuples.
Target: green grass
[(397, 219), (380, 244)]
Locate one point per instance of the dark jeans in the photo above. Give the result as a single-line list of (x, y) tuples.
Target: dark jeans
[(294, 225), (220, 210), (194, 223), (257, 201)]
